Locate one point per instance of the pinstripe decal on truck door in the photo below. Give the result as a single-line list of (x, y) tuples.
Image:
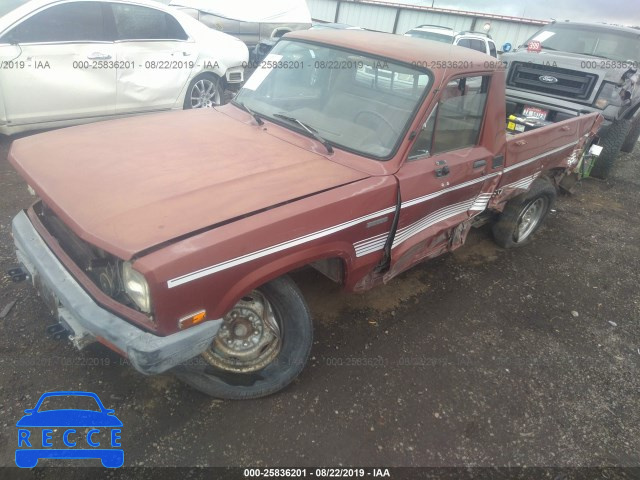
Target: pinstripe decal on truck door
[(370, 245)]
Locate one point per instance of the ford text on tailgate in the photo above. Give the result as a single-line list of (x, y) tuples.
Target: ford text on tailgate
[(169, 238)]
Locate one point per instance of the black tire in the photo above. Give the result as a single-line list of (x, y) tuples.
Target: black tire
[(611, 142), (632, 137), (209, 78), (294, 320), (506, 228)]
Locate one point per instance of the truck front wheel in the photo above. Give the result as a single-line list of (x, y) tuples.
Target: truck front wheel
[(611, 143), (523, 215), (261, 347)]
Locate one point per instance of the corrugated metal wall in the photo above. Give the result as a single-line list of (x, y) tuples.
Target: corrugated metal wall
[(383, 18), (411, 18), (367, 16), (323, 10)]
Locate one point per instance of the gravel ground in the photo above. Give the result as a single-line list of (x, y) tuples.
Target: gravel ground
[(483, 357)]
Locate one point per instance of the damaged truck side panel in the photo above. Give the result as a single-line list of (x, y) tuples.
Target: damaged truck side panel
[(205, 243)]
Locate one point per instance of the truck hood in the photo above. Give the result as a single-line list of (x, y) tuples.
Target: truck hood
[(129, 185)]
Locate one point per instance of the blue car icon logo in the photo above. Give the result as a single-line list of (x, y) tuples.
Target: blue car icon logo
[(69, 433)]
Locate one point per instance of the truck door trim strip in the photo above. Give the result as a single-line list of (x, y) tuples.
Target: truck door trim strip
[(431, 196), (524, 184), (476, 204), (538, 157), (371, 244), (189, 277)]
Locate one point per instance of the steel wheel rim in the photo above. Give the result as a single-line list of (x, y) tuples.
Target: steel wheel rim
[(249, 339), (205, 94), (530, 219)]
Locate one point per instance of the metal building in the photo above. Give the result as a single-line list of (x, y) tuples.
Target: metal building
[(398, 18)]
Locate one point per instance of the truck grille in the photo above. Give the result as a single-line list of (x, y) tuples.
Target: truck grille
[(100, 267), (570, 83)]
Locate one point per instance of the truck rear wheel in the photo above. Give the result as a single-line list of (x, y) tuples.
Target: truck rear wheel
[(632, 137), (262, 346), (611, 142), (524, 214)]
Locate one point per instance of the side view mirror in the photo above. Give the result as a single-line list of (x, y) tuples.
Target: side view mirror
[(110, 411), (29, 411)]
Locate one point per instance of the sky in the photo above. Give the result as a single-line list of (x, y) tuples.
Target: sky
[(624, 12)]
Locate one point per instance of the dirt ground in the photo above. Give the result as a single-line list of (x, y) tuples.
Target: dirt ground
[(474, 359)]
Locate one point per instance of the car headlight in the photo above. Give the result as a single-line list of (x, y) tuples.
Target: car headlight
[(611, 94), (136, 287)]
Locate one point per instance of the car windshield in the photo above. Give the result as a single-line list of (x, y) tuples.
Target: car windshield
[(349, 100), (438, 37), (69, 402), (591, 41), (7, 5)]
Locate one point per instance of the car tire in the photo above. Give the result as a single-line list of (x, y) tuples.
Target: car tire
[(611, 142), (632, 137), (296, 337), (205, 91), (524, 214)]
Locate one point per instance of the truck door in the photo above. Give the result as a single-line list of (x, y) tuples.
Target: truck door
[(442, 183)]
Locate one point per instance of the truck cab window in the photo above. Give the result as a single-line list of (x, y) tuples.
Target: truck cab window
[(477, 45), (457, 120), (422, 146), (492, 49)]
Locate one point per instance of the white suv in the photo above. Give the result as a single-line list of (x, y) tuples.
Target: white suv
[(479, 41)]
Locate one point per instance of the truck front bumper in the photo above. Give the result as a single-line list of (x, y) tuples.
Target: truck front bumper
[(89, 322)]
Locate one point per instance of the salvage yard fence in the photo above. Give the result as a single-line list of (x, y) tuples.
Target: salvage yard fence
[(398, 18)]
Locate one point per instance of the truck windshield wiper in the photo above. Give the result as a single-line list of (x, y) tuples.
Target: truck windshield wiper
[(312, 131), (255, 116)]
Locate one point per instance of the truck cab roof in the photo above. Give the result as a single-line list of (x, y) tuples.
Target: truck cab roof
[(401, 48)]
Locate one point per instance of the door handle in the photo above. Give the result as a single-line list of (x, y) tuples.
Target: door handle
[(521, 143), (99, 56), (442, 172), (479, 163), (566, 128)]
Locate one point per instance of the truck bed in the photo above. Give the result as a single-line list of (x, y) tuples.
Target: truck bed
[(554, 146)]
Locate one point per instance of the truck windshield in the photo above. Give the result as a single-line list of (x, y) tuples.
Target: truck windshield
[(591, 41), (349, 100)]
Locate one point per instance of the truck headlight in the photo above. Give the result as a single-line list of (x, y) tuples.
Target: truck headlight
[(136, 287), (611, 94)]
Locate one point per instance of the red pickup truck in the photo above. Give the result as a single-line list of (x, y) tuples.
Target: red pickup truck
[(168, 238)]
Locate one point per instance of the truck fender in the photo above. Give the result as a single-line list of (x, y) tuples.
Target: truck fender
[(267, 272)]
